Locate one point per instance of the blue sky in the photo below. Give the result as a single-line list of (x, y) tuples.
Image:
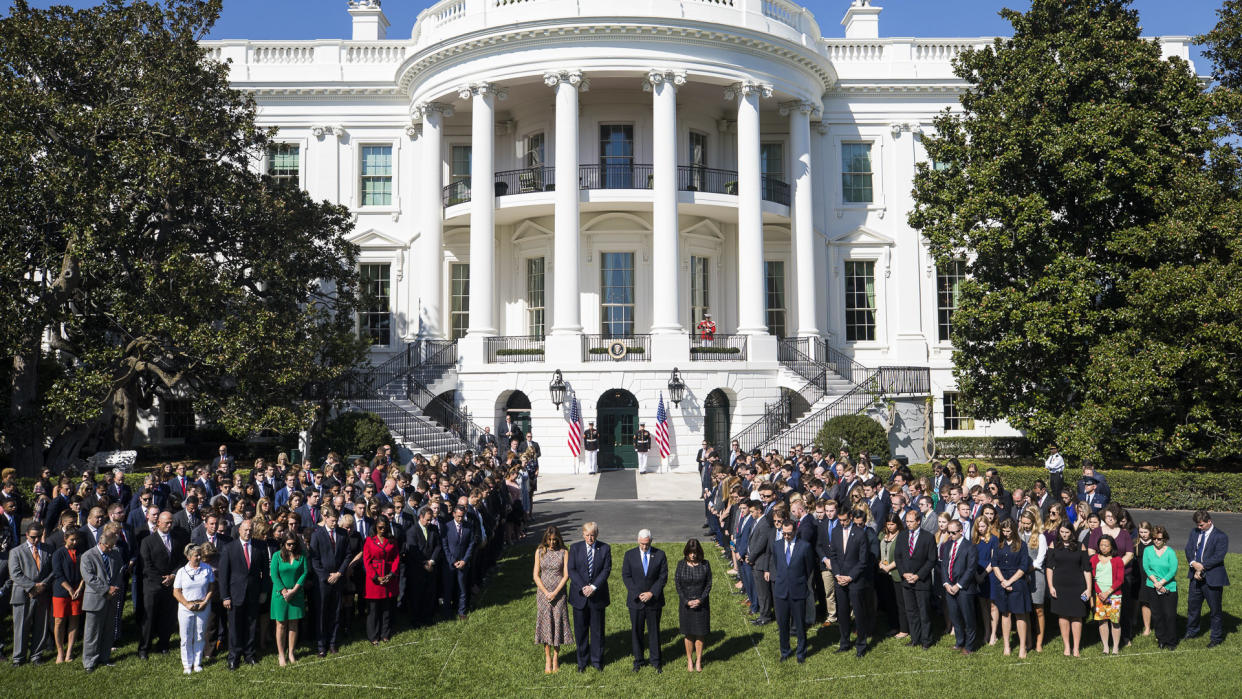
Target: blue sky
[(327, 19)]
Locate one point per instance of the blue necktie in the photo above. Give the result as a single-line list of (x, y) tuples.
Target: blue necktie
[(788, 553), (590, 562), (645, 554), (1199, 549)]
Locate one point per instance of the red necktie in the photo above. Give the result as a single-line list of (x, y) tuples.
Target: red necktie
[(952, 558), (912, 536), (246, 550), (332, 538)]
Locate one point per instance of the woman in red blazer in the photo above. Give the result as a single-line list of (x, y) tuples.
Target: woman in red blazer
[(380, 563)]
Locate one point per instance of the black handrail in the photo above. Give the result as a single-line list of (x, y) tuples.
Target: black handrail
[(862, 397), (905, 380), (615, 176), (694, 178), (720, 348), (515, 349), (525, 180), (775, 190), (595, 348)]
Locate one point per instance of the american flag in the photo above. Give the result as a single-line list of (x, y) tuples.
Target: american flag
[(661, 434), (575, 428)]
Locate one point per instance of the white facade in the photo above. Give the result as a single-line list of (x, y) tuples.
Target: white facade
[(739, 119)]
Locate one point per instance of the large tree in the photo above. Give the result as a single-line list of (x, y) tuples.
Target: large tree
[(141, 253), (1089, 184)]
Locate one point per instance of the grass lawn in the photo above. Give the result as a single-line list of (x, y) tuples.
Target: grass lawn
[(493, 654)]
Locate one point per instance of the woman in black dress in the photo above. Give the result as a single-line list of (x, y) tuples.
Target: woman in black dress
[(694, 585), (1069, 577)]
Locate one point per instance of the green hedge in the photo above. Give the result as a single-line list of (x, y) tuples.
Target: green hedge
[(857, 433), (1148, 490), (984, 447)]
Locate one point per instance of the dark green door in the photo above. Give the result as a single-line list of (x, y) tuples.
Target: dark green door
[(716, 421), (617, 420)]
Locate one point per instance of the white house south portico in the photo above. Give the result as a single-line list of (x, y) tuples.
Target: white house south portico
[(545, 185)]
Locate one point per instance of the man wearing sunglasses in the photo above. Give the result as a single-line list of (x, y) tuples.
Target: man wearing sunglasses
[(958, 559)]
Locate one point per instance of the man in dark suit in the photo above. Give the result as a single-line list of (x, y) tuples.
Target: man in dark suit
[(1205, 556), (162, 553), (958, 559), (309, 512), (1041, 498), (459, 541), (793, 563), (644, 571), (118, 491), (425, 561), (916, 558), (223, 457), (1095, 501), (742, 543), (179, 484), (329, 558), (188, 519), (852, 563), (759, 557), (242, 576), (590, 563), (823, 551), (487, 440)]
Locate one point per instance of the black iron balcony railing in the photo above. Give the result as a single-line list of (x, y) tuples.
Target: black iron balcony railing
[(690, 178), (608, 348), (512, 349), (719, 348)]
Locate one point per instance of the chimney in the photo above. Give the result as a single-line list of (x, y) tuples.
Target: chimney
[(862, 21), (370, 24)]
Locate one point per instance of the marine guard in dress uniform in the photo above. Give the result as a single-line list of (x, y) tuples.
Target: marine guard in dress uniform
[(590, 443), (642, 444)]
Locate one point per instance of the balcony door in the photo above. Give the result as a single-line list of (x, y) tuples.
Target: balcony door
[(616, 156)]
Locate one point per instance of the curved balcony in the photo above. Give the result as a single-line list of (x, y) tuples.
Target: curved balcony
[(690, 178)]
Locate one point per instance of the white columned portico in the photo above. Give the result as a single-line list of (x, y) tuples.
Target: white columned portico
[(666, 310), (751, 314), (803, 214), (431, 219), (566, 249), (483, 98)]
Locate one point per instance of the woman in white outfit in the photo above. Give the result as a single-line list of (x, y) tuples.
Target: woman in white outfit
[(193, 590)]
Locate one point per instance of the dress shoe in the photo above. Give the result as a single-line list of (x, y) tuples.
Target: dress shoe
[(251, 661), (109, 664), (90, 670), (333, 649), (967, 651), (599, 667), (842, 649), (926, 646), (36, 662), (323, 654), (142, 655), (761, 622), (1213, 644), (637, 667), (582, 668), (659, 670), (860, 652), (784, 658), (825, 625), (802, 661), (910, 643)]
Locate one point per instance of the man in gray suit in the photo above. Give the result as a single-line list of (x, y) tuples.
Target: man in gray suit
[(30, 569), (102, 571)]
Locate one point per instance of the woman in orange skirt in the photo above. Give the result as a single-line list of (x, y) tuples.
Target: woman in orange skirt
[(67, 589)]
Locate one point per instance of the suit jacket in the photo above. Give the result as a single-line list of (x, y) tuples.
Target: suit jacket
[(158, 561), (64, 571), (179, 486), (25, 574), (879, 508), (637, 582), (746, 527), (239, 582), (200, 537), (579, 579), (100, 571), (136, 519), (760, 549), (806, 530), (309, 515), (823, 540), (853, 557), (186, 522), (1213, 560), (122, 494), (921, 563), (325, 558), (458, 547), (790, 579), (422, 548), (963, 572)]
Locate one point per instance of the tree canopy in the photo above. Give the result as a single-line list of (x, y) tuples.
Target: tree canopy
[(1091, 186), (141, 251)]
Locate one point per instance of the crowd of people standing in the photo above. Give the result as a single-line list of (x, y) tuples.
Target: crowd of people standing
[(288, 555)]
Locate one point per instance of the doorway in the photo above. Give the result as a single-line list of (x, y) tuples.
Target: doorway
[(716, 422), (518, 408), (617, 419)]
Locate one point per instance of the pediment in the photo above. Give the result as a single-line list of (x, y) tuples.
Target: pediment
[(863, 237), (373, 239), (706, 229), (530, 231)]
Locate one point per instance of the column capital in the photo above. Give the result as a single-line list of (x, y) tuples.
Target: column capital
[(475, 89), (572, 77), (800, 106), (320, 131), (746, 88), (821, 128), (656, 76), (414, 130), (420, 110)]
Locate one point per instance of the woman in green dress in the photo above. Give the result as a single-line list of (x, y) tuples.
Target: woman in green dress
[(288, 598)]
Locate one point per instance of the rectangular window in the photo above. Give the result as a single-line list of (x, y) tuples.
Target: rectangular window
[(534, 297), (459, 315), (178, 420), (377, 175), (616, 286), (856, 173), (699, 290), (953, 419), (284, 161), (616, 156), (697, 160), (375, 322), (937, 165), (535, 150), (774, 285), (860, 304), (459, 167), (772, 167), (948, 290)]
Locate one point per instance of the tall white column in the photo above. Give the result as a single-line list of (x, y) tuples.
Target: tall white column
[(431, 219), (482, 205), (567, 309), (666, 282), (751, 314), (822, 271), (803, 215)]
